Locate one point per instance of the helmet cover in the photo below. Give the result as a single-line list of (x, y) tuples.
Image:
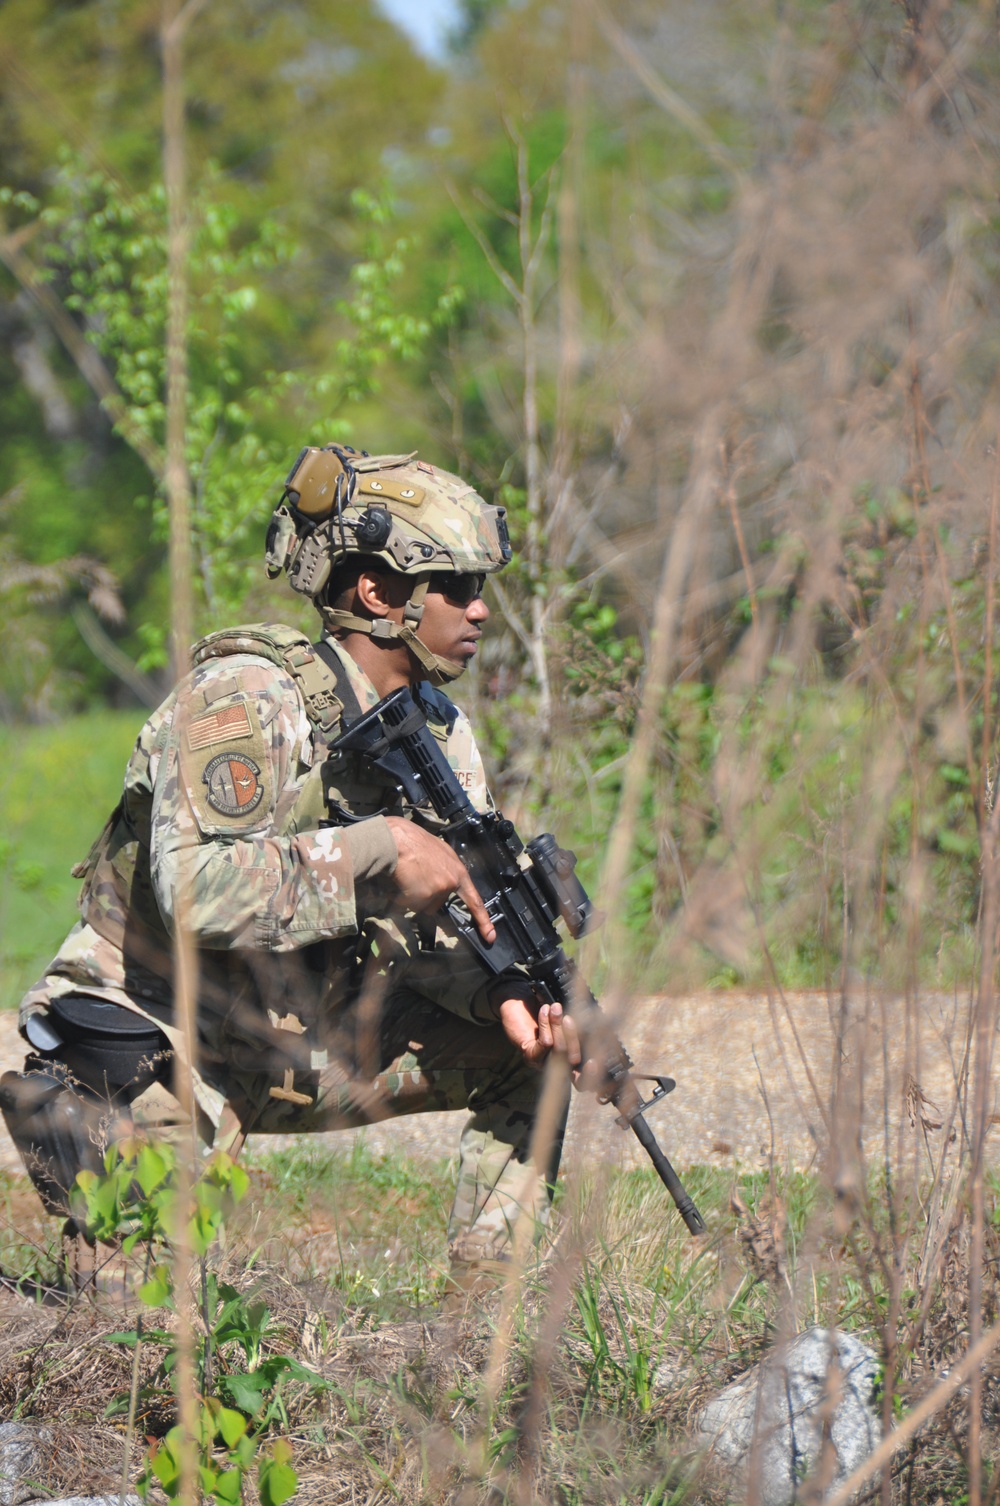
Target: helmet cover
[(413, 517)]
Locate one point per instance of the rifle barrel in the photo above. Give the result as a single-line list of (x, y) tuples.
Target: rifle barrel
[(668, 1176)]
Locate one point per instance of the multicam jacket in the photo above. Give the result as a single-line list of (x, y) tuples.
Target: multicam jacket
[(222, 803)]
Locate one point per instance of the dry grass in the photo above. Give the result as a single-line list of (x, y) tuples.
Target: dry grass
[(624, 1295)]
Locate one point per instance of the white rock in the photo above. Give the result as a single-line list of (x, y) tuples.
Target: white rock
[(92, 1501), (821, 1375), (25, 1449)]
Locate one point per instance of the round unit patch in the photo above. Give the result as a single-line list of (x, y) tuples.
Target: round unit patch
[(234, 787)]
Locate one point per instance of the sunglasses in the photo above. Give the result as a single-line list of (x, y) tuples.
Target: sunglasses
[(461, 589)]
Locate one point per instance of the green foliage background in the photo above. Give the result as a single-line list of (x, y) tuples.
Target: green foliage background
[(57, 781), (719, 245)]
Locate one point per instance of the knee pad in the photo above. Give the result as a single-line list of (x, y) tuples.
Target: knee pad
[(57, 1130)]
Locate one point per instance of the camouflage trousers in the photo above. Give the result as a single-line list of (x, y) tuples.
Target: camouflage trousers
[(404, 1044), (428, 1059)]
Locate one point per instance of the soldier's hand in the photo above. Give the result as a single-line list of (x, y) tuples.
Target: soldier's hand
[(557, 1032), (536, 1030), (519, 1018), (427, 872)]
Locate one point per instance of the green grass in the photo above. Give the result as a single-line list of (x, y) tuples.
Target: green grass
[(598, 1358), (641, 1295), (59, 784), (373, 1226)]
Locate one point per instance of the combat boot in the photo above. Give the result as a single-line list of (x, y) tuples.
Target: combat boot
[(478, 1266)]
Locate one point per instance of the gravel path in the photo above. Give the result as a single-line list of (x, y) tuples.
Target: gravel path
[(746, 1067)]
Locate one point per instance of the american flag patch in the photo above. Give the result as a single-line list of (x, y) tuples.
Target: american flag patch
[(219, 727)]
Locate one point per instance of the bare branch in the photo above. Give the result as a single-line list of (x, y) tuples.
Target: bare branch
[(88, 362), (175, 29), (511, 614), (500, 272), (541, 240), (490, 203), (112, 657), (662, 92)]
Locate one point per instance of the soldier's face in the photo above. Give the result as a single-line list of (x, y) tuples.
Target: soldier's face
[(450, 626)]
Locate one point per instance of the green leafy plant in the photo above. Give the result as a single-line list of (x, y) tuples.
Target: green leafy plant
[(104, 251), (627, 1356), (137, 1200), (381, 328)]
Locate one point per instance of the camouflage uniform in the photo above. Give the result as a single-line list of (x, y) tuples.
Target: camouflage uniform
[(320, 1003)]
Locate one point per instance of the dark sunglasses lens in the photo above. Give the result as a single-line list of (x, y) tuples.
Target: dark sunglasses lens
[(462, 589)]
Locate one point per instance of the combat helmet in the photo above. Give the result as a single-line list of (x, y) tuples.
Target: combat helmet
[(415, 519)]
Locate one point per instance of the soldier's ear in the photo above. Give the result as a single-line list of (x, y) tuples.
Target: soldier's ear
[(374, 592)]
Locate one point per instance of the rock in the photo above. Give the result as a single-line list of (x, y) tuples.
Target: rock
[(671, 1373), (25, 1454), (822, 1376), (112, 1500), (25, 1451)]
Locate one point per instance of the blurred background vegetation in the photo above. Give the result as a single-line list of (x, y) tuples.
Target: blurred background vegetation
[(704, 293)]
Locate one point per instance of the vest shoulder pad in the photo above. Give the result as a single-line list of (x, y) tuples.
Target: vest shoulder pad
[(291, 649), (267, 640)]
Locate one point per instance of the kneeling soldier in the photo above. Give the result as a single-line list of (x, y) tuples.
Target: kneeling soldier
[(330, 994)]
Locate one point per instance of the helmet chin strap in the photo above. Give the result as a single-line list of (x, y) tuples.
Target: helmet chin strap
[(439, 671)]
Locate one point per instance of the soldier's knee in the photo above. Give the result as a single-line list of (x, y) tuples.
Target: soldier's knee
[(57, 1130)]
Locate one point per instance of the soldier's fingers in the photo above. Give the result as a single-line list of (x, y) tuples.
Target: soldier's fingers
[(545, 1036), (565, 1036), (574, 1048), (468, 891), (521, 1028)]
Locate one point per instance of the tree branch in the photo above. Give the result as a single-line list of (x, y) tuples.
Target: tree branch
[(500, 272), (112, 657), (662, 93), (510, 614), (88, 361)]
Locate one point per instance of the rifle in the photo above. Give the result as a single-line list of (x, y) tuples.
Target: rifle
[(526, 889)]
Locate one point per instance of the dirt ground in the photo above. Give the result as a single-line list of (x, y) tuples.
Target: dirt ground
[(754, 1074)]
